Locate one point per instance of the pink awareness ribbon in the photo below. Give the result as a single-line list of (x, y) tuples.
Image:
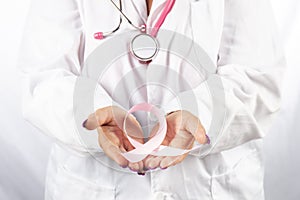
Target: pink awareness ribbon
[(153, 146)]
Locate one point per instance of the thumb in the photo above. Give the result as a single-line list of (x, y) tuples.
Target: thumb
[(102, 116), (133, 129), (195, 127), (91, 122)]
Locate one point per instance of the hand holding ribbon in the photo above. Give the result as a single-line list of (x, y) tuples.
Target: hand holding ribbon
[(183, 129), (108, 121), (170, 141)]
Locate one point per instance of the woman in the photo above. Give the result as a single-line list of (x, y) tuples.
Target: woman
[(237, 35)]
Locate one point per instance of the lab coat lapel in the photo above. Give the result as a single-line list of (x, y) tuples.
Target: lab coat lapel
[(155, 12), (141, 9)]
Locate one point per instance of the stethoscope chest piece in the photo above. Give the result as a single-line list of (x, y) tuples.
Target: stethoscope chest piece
[(144, 47)]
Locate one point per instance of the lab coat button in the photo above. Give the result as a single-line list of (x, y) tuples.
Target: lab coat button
[(163, 196)]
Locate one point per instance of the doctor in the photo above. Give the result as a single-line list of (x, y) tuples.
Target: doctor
[(238, 36)]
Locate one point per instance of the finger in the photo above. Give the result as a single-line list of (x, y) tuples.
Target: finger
[(154, 131), (154, 162), (134, 166), (172, 161), (112, 134), (90, 123), (115, 116), (128, 146), (108, 115), (147, 160), (149, 157), (112, 150), (182, 140), (133, 129), (137, 167), (169, 161), (122, 149), (195, 127), (100, 117), (141, 167)]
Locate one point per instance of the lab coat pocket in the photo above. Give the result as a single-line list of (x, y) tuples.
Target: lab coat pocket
[(243, 181), (70, 186)]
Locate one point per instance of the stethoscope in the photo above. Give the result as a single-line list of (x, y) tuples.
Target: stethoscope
[(144, 46)]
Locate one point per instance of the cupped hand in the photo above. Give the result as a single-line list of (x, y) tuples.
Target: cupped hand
[(109, 123), (183, 128)]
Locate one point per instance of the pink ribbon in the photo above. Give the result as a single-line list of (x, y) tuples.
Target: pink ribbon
[(153, 146), (143, 150)]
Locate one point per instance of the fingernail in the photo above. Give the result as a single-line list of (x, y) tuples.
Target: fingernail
[(208, 139), (152, 168), (123, 166), (134, 170), (84, 123), (146, 169), (163, 168), (141, 173)]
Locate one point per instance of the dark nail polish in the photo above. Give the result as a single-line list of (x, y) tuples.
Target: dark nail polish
[(164, 168), (141, 173), (84, 123), (208, 139)]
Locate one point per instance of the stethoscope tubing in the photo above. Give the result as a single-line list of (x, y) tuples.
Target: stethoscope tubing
[(143, 29)]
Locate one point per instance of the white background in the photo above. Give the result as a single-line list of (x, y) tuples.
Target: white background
[(24, 151)]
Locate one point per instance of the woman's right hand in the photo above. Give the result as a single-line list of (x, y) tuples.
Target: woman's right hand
[(109, 123)]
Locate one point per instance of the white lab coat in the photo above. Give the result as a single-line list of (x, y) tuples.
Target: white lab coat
[(238, 35)]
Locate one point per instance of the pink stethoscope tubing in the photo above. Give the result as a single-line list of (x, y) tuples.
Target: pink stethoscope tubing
[(168, 7), (143, 35)]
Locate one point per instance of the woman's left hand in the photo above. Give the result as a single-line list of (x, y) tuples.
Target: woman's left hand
[(182, 130)]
